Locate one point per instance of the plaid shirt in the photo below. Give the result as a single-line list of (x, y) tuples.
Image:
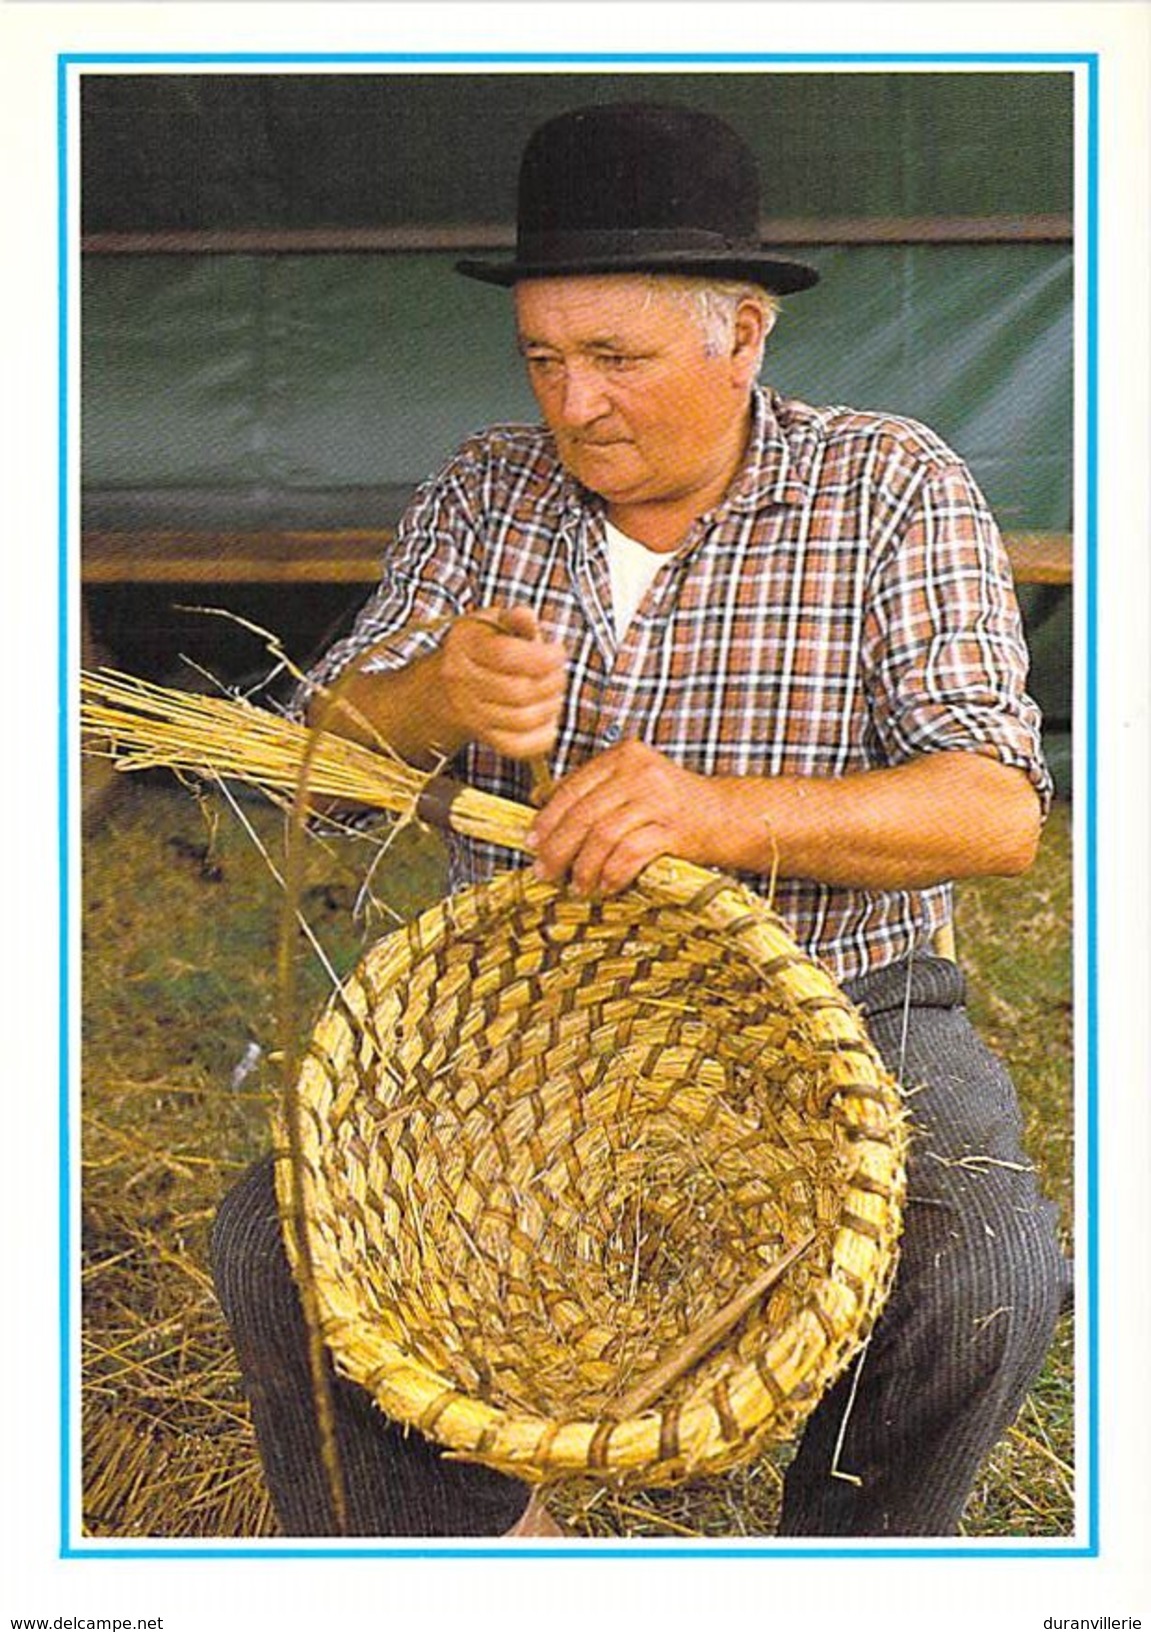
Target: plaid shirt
[(847, 605)]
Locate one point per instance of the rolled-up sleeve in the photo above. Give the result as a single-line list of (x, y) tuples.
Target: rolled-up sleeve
[(945, 652)]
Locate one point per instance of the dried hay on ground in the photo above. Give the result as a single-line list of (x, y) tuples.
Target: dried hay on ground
[(167, 1446)]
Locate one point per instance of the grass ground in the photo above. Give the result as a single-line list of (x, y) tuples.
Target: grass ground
[(180, 925)]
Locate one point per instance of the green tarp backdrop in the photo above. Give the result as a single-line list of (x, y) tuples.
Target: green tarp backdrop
[(231, 389)]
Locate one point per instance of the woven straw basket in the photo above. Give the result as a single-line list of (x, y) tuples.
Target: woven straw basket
[(546, 1144)]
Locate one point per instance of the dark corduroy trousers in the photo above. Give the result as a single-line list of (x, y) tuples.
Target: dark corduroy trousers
[(892, 1450)]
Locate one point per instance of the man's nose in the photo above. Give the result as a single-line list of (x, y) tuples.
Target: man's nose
[(583, 397)]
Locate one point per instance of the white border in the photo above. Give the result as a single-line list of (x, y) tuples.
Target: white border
[(1004, 1593)]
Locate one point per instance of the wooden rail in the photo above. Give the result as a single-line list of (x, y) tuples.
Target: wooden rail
[(455, 237), (352, 556)]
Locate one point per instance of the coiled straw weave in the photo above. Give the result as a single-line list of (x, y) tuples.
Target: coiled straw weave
[(547, 1141)]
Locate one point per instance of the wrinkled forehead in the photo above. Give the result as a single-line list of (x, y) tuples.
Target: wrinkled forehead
[(585, 309)]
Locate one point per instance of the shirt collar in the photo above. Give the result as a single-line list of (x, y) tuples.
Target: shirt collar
[(770, 473)]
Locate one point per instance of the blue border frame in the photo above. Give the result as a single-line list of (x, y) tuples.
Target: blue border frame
[(66, 62)]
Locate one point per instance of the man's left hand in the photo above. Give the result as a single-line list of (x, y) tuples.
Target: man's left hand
[(610, 818)]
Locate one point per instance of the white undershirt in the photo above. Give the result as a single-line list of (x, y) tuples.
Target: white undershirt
[(632, 566)]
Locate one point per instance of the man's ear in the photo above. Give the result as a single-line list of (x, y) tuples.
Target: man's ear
[(753, 324)]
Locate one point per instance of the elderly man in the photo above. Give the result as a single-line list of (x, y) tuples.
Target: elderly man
[(765, 637)]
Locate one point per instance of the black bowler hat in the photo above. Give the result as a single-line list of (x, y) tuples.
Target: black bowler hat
[(639, 187)]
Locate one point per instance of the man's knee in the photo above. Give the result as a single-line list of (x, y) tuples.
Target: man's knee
[(1028, 1286), (980, 1291), (247, 1252)]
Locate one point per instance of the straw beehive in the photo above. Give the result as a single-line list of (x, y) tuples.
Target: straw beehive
[(603, 1187)]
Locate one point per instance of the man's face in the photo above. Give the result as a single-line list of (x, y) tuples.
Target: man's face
[(640, 411)]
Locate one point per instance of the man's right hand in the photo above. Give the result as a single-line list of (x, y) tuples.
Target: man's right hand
[(503, 684)]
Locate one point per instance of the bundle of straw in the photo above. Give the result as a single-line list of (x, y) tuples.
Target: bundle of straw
[(143, 726)]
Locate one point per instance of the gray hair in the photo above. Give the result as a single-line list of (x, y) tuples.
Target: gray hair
[(713, 305)]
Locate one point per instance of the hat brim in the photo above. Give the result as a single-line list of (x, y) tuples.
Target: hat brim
[(779, 277)]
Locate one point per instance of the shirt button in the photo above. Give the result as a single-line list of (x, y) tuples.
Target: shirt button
[(613, 733)]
